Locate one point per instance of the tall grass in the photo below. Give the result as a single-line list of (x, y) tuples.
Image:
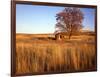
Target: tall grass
[(54, 57)]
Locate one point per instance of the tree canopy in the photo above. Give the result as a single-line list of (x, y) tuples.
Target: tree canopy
[(69, 20)]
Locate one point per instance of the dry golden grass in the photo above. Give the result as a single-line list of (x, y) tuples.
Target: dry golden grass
[(46, 55)]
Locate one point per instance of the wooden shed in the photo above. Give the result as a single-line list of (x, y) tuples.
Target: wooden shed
[(61, 36)]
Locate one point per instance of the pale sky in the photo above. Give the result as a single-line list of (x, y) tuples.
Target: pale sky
[(41, 19)]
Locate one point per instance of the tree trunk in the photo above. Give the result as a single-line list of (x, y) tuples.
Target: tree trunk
[(70, 35)]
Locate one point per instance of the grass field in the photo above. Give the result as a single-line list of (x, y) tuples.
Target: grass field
[(40, 54)]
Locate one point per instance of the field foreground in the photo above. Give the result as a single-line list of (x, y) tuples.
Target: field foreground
[(41, 55)]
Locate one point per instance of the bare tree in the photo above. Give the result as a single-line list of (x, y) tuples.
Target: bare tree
[(69, 20)]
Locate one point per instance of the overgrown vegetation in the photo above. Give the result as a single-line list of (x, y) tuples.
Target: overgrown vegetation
[(41, 56)]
